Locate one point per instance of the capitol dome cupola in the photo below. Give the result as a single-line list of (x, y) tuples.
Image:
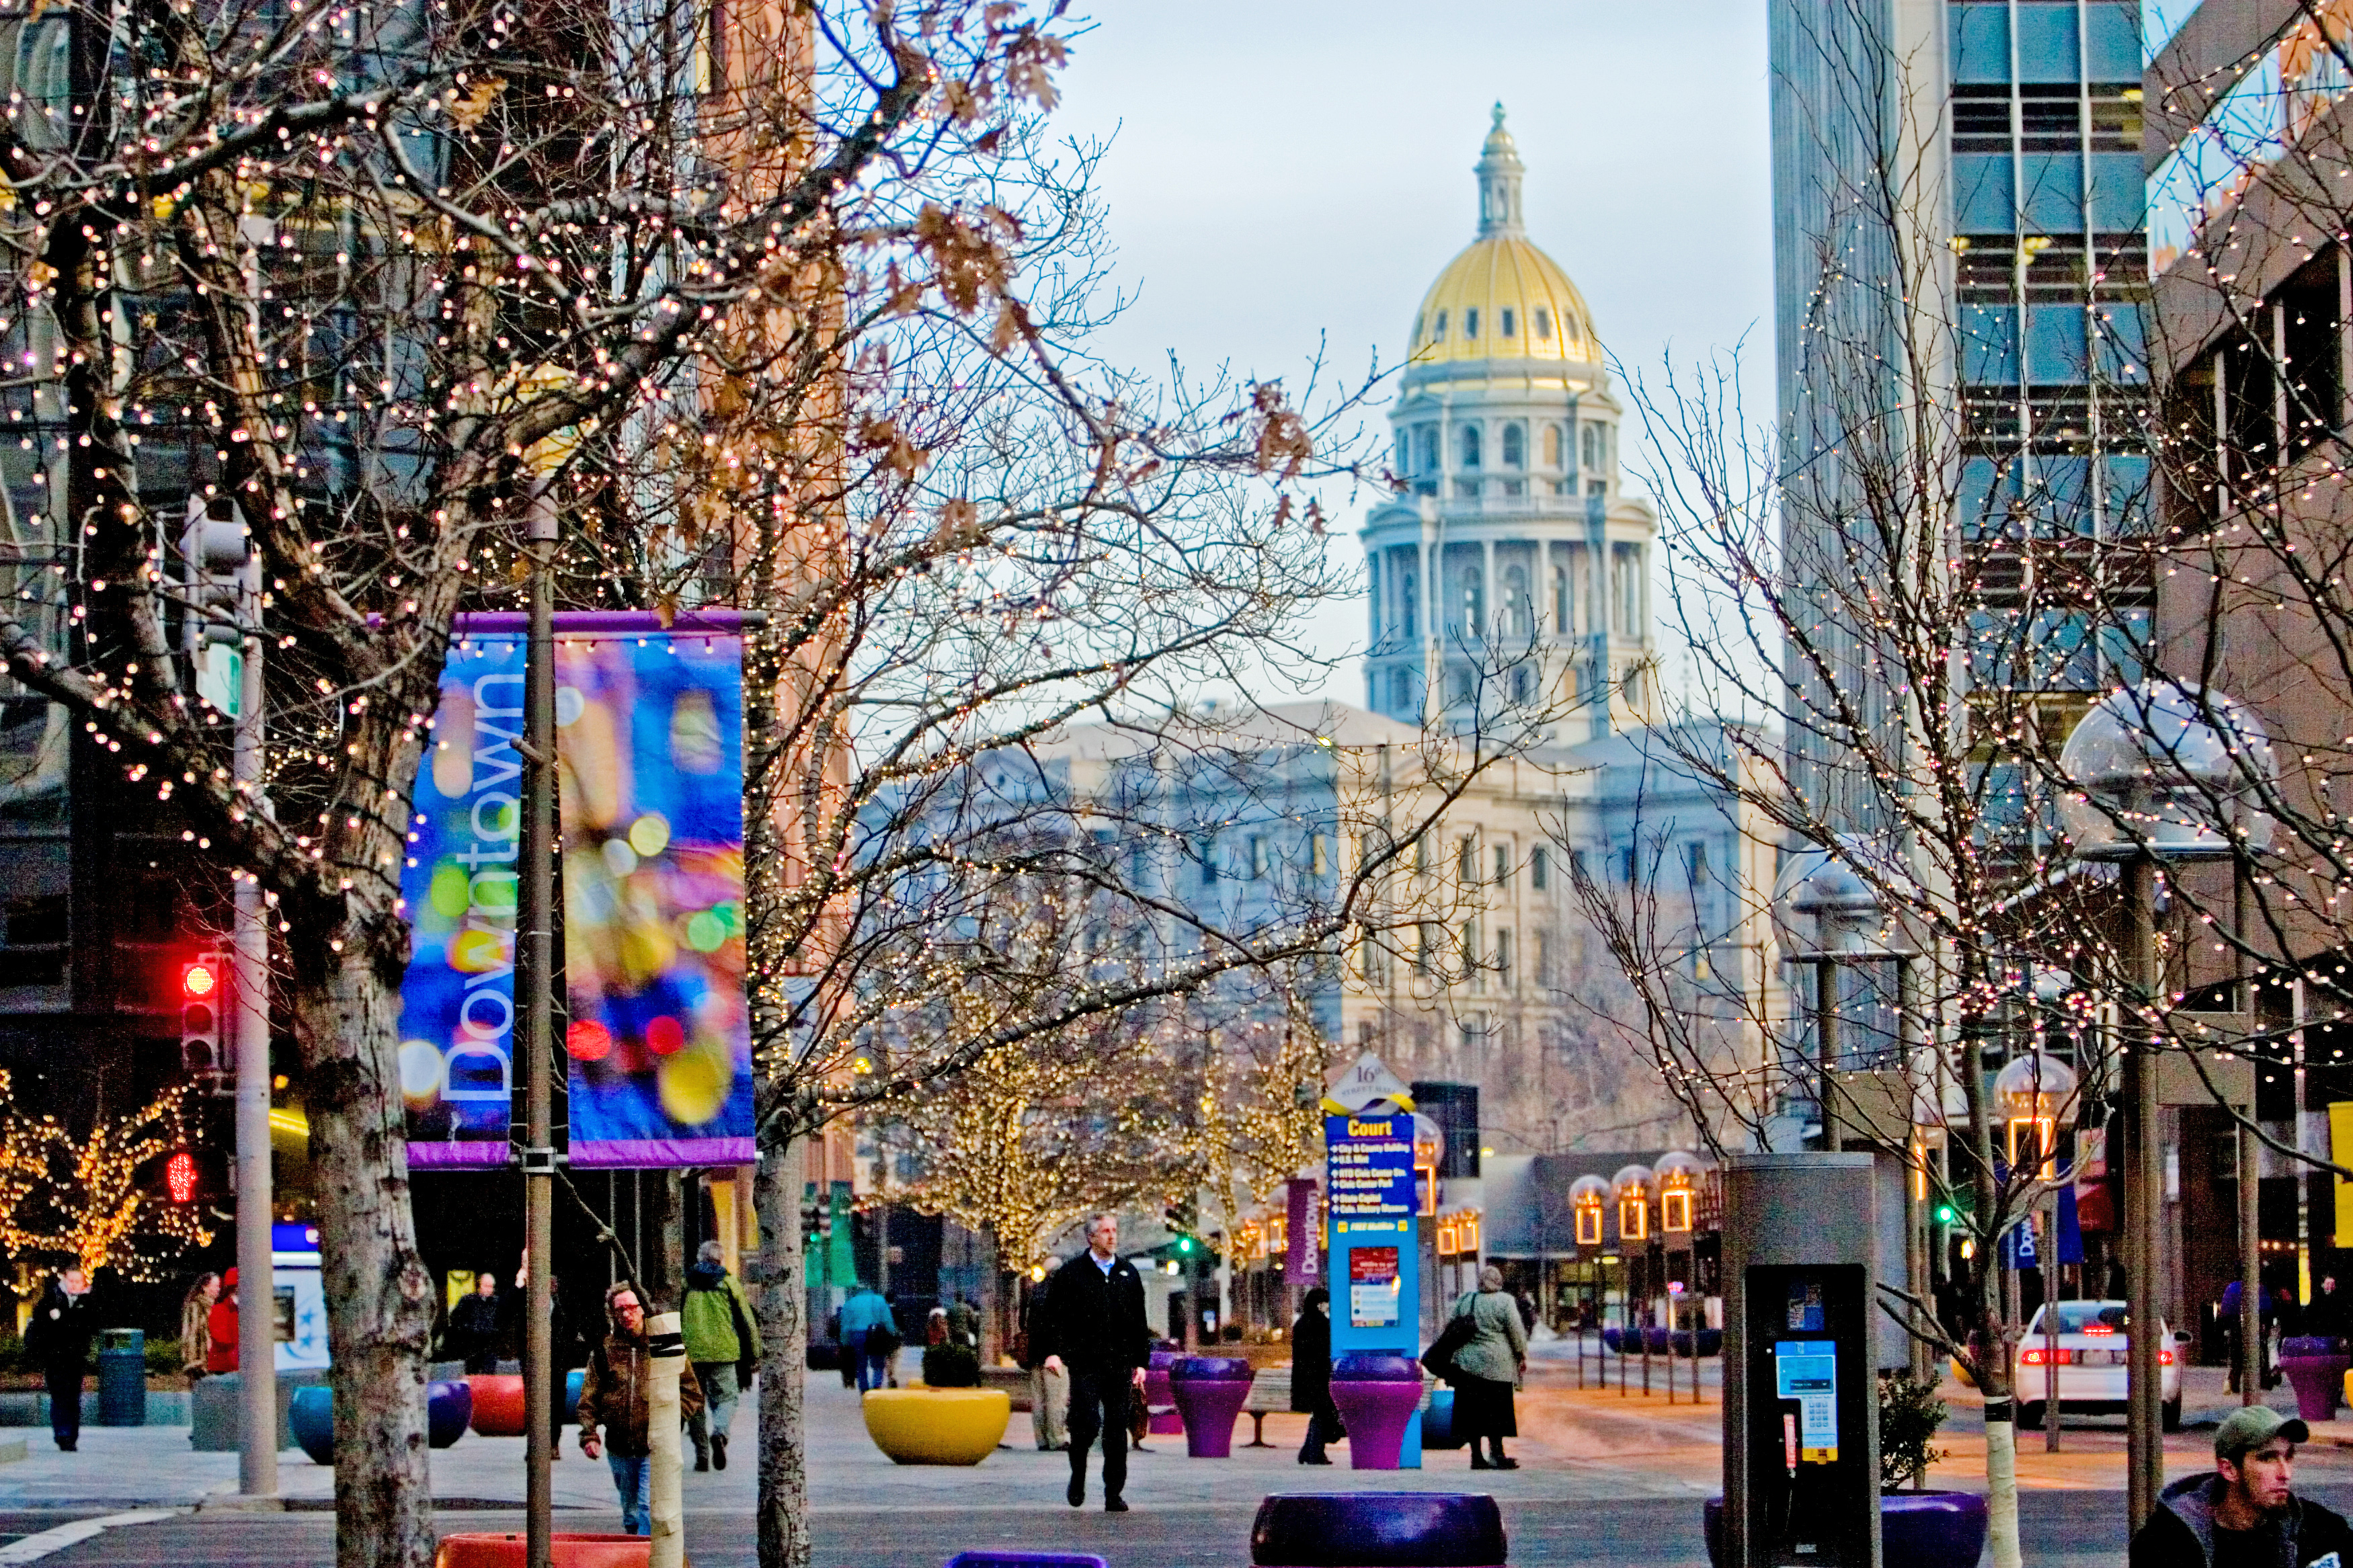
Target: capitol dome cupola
[(1499, 183)]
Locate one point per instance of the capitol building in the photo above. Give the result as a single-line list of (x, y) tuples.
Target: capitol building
[(1513, 565)]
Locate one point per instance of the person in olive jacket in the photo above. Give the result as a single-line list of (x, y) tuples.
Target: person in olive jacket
[(617, 1396), (1095, 1329), (724, 1343), (1311, 1374)]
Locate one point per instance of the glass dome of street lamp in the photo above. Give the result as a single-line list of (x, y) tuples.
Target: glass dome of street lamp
[(1633, 1187), (2171, 768), (1679, 1176), (2035, 1092), (1824, 908), (1588, 1202)]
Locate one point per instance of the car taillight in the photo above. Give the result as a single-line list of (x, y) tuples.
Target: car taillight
[(2032, 1358), (2165, 1358)]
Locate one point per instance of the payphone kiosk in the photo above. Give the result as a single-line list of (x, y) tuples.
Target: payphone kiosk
[(1800, 1407)]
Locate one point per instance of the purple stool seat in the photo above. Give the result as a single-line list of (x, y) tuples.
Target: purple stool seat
[(1209, 1392), (1375, 1395), (1379, 1530)]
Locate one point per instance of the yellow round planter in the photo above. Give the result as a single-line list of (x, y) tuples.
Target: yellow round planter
[(937, 1425)]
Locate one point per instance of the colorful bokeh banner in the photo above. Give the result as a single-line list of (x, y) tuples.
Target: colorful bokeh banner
[(658, 1041)]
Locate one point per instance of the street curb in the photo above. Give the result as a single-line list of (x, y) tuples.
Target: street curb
[(238, 1502), (33, 1548)]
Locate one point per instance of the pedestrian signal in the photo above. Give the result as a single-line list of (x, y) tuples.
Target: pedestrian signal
[(180, 1176)]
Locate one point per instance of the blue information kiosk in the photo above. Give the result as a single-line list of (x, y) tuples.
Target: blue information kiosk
[(1376, 1240)]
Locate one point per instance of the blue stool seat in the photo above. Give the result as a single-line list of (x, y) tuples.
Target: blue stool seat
[(1025, 1560)]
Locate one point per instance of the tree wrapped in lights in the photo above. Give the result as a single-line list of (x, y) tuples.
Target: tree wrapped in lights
[(88, 1198)]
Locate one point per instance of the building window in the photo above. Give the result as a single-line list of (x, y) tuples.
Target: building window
[(1208, 852), (1564, 619), (1438, 334), (1470, 446), (1592, 445), (1257, 857), (1503, 960), (1543, 325), (1626, 588), (1428, 444), (1523, 686), (1516, 447), (1552, 446), (1400, 690), (1425, 946), (1466, 489), (1507, 322), (1468, 936), (1411, 591), (1319, 854), (1543, 958), (1469, 323), (1466, 686), (1540, 868), (1466, 860), (1516, 603), (1503, 866), (1474, 599)]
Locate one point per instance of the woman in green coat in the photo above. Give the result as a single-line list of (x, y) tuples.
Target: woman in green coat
[(1487, 1368)]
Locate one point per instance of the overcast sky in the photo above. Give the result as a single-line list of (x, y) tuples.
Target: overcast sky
[(1285, 172)]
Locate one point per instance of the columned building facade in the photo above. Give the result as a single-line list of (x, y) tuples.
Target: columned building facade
[(1510, 564)]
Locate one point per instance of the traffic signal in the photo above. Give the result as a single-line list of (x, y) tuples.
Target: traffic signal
[(203, 980), (221, 590), (181, 1177)]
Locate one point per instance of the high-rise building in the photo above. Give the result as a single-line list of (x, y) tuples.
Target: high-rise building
[(1512, 563)]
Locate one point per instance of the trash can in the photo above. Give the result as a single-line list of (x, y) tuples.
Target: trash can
[(122, 1377)]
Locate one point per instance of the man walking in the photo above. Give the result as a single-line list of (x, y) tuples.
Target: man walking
[(724, 1343), (1049, 1392), (2245, 1513), (473, 1333), (59, 1338), (1095, 1330), (868, 1334), (616, 1393)]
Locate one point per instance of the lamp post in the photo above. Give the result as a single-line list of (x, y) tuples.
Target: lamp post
[(1826, 914), (1633, 1185), (2036, 1094), (1588, 1206), (2158, 772)]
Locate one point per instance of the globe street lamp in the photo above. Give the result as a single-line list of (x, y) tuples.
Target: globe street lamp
[(2162, 770), (1589, 1205), (2036, 1095), (1826, 914)]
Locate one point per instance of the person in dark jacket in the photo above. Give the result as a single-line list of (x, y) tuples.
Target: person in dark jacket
[(59, 1339), (1095, 1329), (1311, 1374), (473, 1333), (617, 1396), (2246, 1513)]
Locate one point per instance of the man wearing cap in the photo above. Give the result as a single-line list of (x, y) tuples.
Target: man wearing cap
[(2244, 1515)]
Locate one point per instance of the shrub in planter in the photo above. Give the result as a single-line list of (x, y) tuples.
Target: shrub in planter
[(1910, 1411), (951, 1366)]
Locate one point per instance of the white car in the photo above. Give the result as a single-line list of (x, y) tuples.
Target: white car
[(2093, 1342)]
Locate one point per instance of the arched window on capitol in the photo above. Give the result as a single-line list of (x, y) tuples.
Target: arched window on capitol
[(1551, 443), (1470, 446), (1515, 445)]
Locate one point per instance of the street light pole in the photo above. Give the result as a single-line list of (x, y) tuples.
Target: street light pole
[(2143, 1186), (1826, 1041), (257, 1317)]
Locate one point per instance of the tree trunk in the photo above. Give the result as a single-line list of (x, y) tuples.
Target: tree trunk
[(668, 1267), (781, 1302), (379, 1298)]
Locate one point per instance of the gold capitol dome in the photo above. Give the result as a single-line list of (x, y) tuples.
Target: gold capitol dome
[(1501, 298)]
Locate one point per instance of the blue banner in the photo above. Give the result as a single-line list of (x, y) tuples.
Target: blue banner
[(658, 1041)]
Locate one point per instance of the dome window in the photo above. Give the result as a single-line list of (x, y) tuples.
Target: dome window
[(1469, 323), (1438, 333), (1543, 325), (1516, 443), (1470, 446), (1508, 323), (1552, 441)]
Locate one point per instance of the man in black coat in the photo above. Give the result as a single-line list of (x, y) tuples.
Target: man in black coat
[(59, 1338), (1311, 1375), (1094, 1330)]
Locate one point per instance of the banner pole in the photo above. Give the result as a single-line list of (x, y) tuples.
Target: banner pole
[(535, 971)]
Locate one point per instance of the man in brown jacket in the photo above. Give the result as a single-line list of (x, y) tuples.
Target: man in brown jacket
[(617, 1396)]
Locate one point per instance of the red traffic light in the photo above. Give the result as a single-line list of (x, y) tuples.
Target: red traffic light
[(199, 979), (180, 1176)]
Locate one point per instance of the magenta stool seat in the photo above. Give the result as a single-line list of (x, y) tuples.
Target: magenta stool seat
[(1165, 1420), (1209, 1393), (1375, 1395), (1379, 1530)]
